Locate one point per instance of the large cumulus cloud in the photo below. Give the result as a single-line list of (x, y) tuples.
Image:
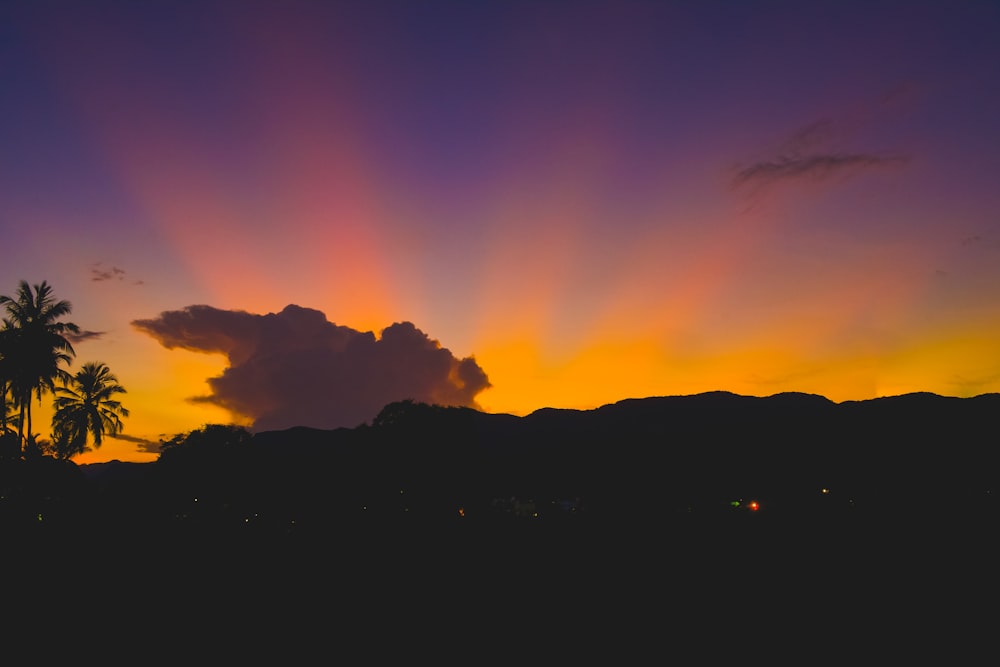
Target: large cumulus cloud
[(296, 368)]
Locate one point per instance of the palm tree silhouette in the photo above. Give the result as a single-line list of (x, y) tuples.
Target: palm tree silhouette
[(34, 345), (6, 361), (86, 405)]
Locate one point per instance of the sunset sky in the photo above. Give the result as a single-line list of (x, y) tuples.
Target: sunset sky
[(541, 204)]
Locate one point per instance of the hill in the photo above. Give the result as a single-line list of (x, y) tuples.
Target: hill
[(789, 513), (649, 459)]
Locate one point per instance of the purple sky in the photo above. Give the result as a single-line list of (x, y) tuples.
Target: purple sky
[(566, 204)]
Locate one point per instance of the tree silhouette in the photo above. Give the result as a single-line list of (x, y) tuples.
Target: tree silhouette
[(86, 406), (8, 409), (35, 345)]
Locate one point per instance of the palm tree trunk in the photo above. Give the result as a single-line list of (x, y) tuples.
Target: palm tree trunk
[(3, 401), (25, 406), (28, 435)]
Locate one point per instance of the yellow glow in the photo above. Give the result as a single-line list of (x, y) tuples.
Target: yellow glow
[(158, 402)]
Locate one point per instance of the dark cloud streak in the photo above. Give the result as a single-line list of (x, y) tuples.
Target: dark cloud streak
[(99, 274), (818, 167), (814, 153), (295, 368), (82, 336), (142, 444)]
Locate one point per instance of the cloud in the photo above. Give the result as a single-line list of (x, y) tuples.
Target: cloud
[(816, 167), (142, 444), (99, 274), (810, 137), (81, 336), (978, 241), (808, 155), (295, 368)]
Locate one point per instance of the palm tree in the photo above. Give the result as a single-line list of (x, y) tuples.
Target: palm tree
[(85, 406), (34, 345), (10, 443), (6, 364)]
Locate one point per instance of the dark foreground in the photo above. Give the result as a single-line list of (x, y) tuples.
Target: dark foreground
[(699, 592), (416, 540)]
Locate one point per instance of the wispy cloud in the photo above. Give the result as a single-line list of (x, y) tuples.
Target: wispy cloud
[(82, 336), (816, 167), (295, 368), (981, 242), (810, 137), (144, 445), (99, 273), (809, 155)]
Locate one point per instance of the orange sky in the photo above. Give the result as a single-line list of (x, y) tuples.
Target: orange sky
[(617, 202)]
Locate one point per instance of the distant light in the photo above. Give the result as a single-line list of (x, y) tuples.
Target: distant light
[(824, 490), (461, 511), (754, 505)]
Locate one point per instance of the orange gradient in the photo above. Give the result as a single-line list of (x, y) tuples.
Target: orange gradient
[(596, 206)]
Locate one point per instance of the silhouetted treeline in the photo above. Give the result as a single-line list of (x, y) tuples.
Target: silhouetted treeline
[(802, 459)]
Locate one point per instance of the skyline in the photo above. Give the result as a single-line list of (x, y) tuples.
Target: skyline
[(552, 205)]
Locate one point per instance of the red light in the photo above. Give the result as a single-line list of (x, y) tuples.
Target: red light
[(754, 505)]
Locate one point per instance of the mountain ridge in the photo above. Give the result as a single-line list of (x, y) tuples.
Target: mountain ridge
[(720, 398)]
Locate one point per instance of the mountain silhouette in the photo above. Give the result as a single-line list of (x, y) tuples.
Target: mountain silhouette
[(674, 458), (637, 515)]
